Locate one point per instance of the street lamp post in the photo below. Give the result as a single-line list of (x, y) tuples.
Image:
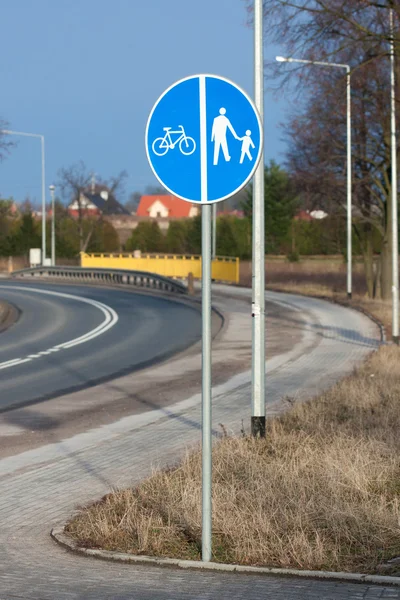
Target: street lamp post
[(348, 121), (41, 137), (258, 249), (395, 244), (53, 227)]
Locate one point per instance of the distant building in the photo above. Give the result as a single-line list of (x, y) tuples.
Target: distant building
[(101, 203), (166, 207)]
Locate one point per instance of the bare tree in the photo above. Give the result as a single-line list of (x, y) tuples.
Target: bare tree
[(73, 181), (133, 201), (114, 185), (155, 190), (316, 158), (334, 25), (354, 32)]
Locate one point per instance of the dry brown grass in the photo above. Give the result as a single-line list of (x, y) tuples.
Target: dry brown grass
[(321, 492), (327, 272)]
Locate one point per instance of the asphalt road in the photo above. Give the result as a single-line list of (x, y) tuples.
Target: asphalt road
[(71, 337)]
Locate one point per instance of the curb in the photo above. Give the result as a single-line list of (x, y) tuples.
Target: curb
[(59, 536)]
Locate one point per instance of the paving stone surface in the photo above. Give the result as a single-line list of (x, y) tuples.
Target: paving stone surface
[(41, 487)]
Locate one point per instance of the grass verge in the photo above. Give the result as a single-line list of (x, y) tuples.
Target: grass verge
[(321, 492)]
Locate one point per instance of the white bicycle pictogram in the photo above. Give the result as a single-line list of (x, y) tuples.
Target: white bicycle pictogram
[(161, 145)]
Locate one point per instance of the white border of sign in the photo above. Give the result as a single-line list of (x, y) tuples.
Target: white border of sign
[(201, 77)]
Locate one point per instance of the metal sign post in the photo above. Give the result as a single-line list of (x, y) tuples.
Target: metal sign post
[(258, 266), (203, 143), (206, 382), (214, 231)]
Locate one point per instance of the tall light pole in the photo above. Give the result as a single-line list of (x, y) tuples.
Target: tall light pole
[(348, 120), (53, 227), (41, 137), (395, 247), (258, 274)]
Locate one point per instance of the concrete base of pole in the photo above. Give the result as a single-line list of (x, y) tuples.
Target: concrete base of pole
[(258, 427), (349, 295), (396, 340)]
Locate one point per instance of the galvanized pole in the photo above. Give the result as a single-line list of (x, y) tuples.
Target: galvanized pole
[(43, 204), (206, 383), (53, 227), (395, 249), (349, 174), (258, 306), (214, 230), (206, 539)]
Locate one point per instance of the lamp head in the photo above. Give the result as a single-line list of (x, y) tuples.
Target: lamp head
[(52, 188), (282, 59)]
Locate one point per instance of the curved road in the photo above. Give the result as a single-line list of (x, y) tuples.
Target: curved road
[(71, 337), (41, 487)]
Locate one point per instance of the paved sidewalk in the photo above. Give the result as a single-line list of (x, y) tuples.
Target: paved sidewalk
[(41, 487)]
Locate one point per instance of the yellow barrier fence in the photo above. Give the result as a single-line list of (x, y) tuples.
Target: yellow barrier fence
[(169, 265)]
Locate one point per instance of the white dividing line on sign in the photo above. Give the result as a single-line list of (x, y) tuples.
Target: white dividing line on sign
[(111, 318), (203, 139)]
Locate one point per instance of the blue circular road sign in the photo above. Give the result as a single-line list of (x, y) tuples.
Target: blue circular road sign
[(204, 139)]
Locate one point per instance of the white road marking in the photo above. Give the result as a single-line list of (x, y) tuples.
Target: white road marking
[(111, 318), (13, 363), (10, 363)]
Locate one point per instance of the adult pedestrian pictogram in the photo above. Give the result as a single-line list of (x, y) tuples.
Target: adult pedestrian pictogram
[(204, 139), (161, 145), (218, 135)]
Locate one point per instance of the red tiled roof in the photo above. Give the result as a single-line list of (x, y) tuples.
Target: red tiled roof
[(177, 208)]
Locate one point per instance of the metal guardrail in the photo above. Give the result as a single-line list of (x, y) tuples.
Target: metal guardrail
[(140, 279)]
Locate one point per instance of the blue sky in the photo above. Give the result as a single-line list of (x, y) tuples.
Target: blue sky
[(86, 73)]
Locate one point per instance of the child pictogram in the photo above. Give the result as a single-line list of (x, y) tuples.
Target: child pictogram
[(247, 143)]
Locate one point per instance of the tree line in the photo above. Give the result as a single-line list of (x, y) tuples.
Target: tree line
[(284, 234), (22, 231)]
